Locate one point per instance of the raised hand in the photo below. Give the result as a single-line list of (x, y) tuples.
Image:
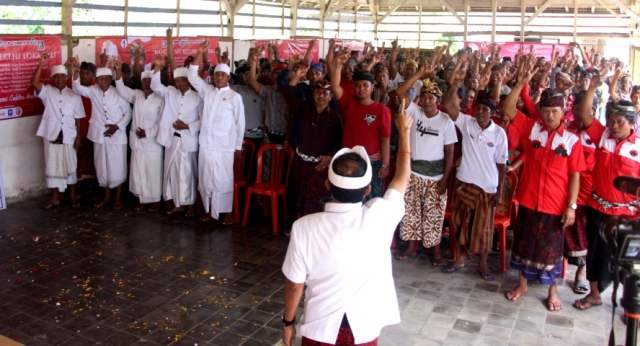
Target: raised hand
[(117, 65), (204, 46), (69, 62), (44, 57), (169, 32), (159, 62)]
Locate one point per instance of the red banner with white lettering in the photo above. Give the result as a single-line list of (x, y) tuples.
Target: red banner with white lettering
[(123, 46), (19, 57), (289, 48), (510, 49)]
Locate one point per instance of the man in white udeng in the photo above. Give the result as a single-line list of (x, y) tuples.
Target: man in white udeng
[(221, 136), (145, 176), (178, 133), (343, 255), (110, 115), (59, 129)]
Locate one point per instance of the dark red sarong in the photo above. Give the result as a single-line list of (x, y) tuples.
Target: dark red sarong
[(345, 338)]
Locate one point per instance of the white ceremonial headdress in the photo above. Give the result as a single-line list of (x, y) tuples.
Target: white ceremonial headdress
[(58, 69), (181, 72), (146, 74), (103, 71), (223, 68), (351, 183)]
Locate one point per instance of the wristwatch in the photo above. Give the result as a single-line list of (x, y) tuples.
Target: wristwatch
[(288, 323), (385, 166), (572, 206)]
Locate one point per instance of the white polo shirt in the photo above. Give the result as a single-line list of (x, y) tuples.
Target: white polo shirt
[(481, 151), (429, 136), (343, 256), (61, 109)]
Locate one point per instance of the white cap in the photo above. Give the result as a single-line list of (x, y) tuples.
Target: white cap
[(103, 71), (181, 72), (223, 68), (58, 69), (351, 183), (110, 48), (146, 74)]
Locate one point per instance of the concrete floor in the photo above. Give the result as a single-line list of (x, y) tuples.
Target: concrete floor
[(86, 276)]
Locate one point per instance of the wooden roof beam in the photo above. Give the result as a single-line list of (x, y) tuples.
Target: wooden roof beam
[(453, 12), (391, 10), (540, 10)]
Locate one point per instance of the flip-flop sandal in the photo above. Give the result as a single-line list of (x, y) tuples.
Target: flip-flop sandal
[(154, 209), (139, 207), (554, 306), (189, 214), (50, 206), (227, 221), (117, 207), (513, 296), (438, 262), (205, 217), (486, 276), (100, 205), (450, 269), (585, 304), (581, 287), (174, 210)]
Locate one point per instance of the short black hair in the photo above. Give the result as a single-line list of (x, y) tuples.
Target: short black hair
[(88, 66), (349, 165)]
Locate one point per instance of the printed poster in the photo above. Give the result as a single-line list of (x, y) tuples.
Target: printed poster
[(510, 49), (19, 57), (125, 47), (289, 48)]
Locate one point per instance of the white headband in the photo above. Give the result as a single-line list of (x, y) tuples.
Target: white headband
[(58, 69), (146, 74), (223, 68), (351, 183), (181, 72), (103, 71)]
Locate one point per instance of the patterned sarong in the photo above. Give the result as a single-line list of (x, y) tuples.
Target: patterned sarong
[(575, 238), (538, 240), (424, 212), (472, 218), (309, 187)]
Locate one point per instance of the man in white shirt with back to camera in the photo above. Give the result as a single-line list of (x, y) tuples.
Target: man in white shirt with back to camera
[(343, 256), (59, 129)]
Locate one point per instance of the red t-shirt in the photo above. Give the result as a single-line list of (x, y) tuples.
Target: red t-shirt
[(364, 125), (551, 158), (612, 159)]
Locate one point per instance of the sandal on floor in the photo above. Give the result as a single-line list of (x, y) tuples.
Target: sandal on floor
[(438, 262), (514, 296), (139, 207), (50, 206), (554, 306), (581, 286), (117, 207), (189, 214), (174, 210), (450, 269), (154, 209), (100, 204), (583, 304), (205, 217), (486, 276), (401, 256), (75, 205), (228, 221)]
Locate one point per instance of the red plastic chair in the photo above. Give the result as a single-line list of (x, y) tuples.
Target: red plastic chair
[(241, 170), (281, 162), (501, 220)]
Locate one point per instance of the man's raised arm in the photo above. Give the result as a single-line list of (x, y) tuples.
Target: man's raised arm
[(337, 63), (403, 163), (194, 79)]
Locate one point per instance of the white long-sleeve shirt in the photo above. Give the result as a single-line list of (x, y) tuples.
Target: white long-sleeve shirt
[(61, 109), (107, 108), (146, 115), (187, 107), (223, 118)]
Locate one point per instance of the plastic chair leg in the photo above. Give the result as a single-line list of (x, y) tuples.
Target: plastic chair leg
[(502, 233), (246, 209), (236, 204), (274, 213)]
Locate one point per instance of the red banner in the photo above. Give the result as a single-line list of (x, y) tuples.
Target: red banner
[(124, 47), (510, 49), (19, 57), (352, 45), (289, 48)]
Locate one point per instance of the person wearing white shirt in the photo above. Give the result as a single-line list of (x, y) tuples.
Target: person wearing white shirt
[(484, 158), (343, 256), (221, 136), (178, 133), (145, 175), (59, 130), (432, 137), (110, 115)]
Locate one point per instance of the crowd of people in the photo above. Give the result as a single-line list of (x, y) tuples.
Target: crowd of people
[(565, 124)]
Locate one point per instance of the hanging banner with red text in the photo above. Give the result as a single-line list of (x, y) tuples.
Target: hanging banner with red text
[(352, 45), (19, 57), (510, 49), (123, 46), (289, 48)]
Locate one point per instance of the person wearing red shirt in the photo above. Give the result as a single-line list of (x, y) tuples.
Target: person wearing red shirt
[(548, 190), (366, 122), (575, 237), (617, 154)]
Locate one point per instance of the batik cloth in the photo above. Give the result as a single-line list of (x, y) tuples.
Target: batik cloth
[(472, 218), (310, 187), (575, 238), (424, 212)]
